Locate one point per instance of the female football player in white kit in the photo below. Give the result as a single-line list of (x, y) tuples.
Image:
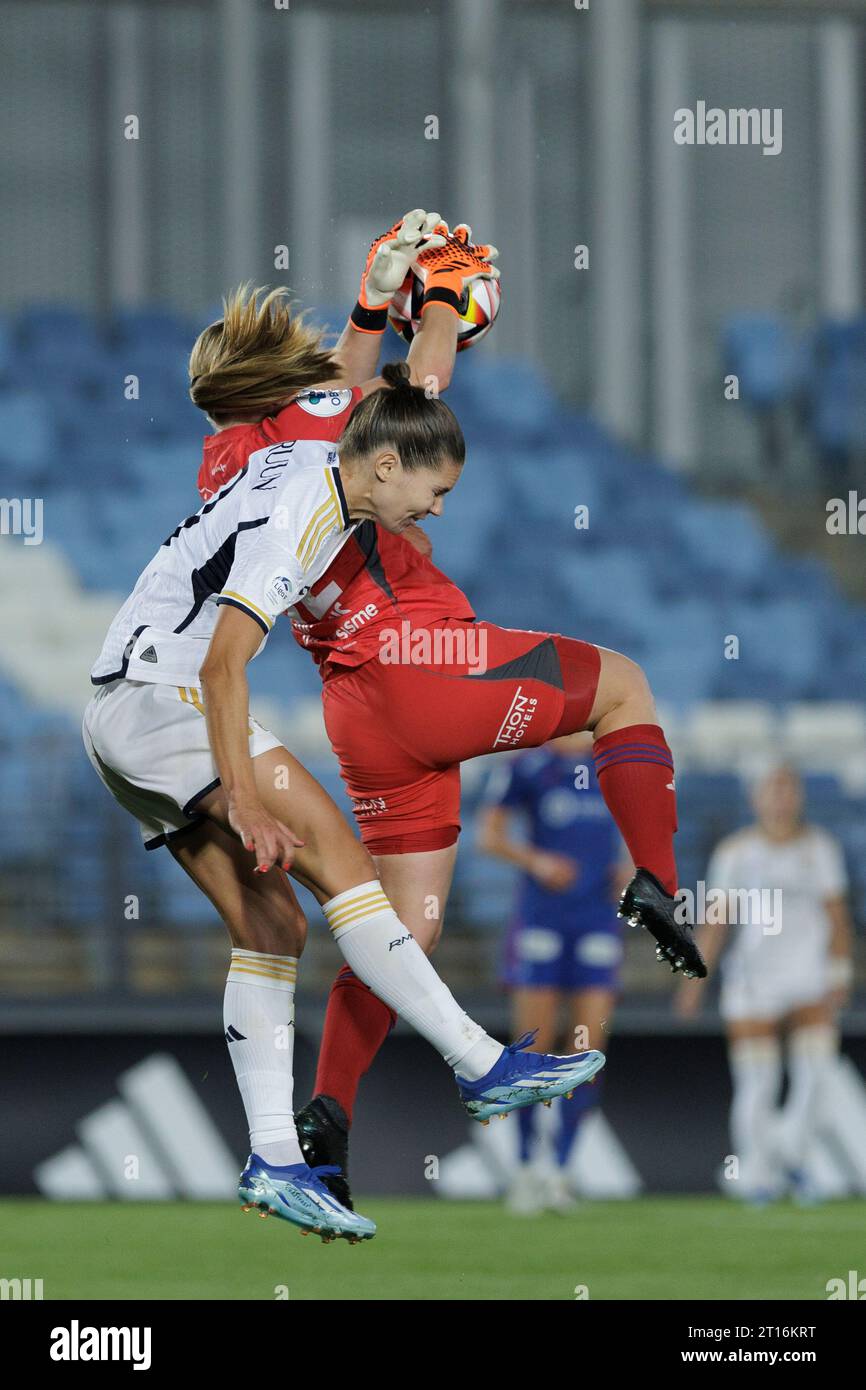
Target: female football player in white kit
[(170, 735), (785, 974)]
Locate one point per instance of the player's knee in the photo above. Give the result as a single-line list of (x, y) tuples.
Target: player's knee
[(434, 939), (630, 684), (428, 934), (276, 928)]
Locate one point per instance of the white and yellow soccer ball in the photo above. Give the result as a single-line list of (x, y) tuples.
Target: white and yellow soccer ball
[(477, 310)]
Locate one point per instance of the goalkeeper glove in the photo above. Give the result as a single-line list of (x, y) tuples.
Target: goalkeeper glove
[(389, 262), (446, 270)]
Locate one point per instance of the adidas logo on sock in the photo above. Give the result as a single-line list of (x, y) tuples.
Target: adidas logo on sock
[(232, 1035)]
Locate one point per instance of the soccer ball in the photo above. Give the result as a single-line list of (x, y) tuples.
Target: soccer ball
[(477, 309)]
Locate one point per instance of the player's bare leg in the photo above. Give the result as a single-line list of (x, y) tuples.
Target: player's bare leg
[(260, 911), (534, 1009), (492, 1079), (267, 930), (589, 1013), (357, 1022), (339, 870), (418, 885)]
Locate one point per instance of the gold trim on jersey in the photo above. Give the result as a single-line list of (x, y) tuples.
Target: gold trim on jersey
[(319, 515), (193, 698), (327, 523), (239, 598)]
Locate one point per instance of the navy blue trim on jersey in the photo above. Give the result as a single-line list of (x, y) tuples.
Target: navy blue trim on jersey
[(233, 603), (208, 507), (124, 664), (344, 510), (194, 800), (368, 543), (171, 835), (212, 575)]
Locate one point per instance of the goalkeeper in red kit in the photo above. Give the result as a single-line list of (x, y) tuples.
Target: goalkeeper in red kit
[(413, 684)]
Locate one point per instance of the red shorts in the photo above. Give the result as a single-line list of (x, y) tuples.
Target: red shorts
[(454, 690)]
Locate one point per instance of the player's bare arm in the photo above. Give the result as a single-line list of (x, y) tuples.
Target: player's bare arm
[(556, 872), (235, 641), (710, 941), (388, 263), (841, 972)]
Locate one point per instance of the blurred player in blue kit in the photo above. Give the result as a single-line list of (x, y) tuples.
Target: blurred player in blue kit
[(564, 947)]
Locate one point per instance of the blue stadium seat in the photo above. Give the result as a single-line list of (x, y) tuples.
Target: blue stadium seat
[(60, 343), (28, 436), (767, 357), (839, 386), (7, 348)]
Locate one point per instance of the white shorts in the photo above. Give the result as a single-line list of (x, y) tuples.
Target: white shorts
[(149, 745), (759, 995)]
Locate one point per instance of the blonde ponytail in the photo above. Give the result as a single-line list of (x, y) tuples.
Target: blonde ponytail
[(258, 355)]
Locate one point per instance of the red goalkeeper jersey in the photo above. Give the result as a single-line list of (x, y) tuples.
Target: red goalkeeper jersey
[(379, 588)]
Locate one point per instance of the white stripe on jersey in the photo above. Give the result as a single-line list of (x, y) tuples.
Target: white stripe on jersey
[(257, 545)]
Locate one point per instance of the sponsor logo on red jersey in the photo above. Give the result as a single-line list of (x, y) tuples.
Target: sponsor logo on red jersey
[(516, 721)]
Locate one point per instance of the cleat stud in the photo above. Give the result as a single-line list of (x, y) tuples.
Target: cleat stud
[(503, 1115), (484, 1122), (248, 1206), (264, 1215), (304, 1233), (634, 920), (569, 1094), (548, 1103)]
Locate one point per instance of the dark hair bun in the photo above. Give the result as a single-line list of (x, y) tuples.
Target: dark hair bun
[(397, 375)]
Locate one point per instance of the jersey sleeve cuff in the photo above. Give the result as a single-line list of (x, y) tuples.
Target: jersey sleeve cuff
[(246, 606)]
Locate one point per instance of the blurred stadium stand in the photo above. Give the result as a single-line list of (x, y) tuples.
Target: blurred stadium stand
[(653, 569)]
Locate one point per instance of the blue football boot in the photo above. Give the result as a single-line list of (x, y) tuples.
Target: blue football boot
[(522, 1078), (297, 1194)]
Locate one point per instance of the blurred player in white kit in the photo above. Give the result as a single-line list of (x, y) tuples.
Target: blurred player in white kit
[(786, 973)]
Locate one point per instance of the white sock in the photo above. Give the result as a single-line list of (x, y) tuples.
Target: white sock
[(385, 955), (259, 1017), (756, 1071), (811, 1051)]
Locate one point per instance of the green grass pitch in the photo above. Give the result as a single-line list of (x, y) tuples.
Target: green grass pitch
[(658, 1247)]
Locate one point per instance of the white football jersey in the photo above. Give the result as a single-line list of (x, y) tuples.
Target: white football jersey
[(258, 545), (788, 928)]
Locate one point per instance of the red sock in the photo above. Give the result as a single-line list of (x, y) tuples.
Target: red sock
[(356, 1025), (636, 775)]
